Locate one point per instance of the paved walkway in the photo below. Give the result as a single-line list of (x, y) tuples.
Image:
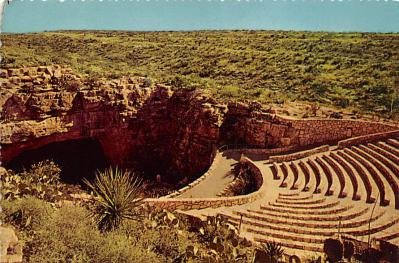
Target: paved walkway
[(214, 183)]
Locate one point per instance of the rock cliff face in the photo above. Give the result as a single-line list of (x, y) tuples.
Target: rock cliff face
[(142, 124), (137, 123)]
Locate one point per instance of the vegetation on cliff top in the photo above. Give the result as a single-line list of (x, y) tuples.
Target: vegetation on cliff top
[(355, 70)]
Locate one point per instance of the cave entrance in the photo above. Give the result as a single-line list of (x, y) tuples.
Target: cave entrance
[(77, 159)]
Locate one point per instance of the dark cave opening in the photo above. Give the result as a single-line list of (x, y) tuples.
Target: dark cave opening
[(77, 159)]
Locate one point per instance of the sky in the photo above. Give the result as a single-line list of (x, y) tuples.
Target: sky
[(154, 15)]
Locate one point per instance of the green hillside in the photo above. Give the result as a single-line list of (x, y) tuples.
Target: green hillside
[(349, 70)]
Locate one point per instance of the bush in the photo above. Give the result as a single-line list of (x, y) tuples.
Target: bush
[(26, 213), (40, 180), (70, 235), (244, 181), (333, 249)]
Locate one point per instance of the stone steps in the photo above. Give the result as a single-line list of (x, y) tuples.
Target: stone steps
[(393, 158), (292, 245), (301, 202), (301, 220), (310, 235), (390, 236), (294, 198), (289, 194), (383, 159), (343, 170)]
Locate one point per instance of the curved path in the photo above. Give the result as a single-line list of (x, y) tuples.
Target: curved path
[(216, 180)]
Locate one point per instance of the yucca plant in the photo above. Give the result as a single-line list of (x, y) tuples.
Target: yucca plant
[(117, 197), (272, 249)]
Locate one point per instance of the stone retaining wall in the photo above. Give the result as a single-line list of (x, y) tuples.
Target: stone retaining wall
[(298, 155), (200, 203), (260, 129), (317, 131), (267, 152), (367, 138)]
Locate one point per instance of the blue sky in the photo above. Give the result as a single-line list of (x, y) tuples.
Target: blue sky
[(314, 15)]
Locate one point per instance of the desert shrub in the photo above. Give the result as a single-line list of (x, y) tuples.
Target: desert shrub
[(333, 249), (26, 213), (349, 250), (222, 242), (244, 181), (41, 180), (70, 235), (117, 197)]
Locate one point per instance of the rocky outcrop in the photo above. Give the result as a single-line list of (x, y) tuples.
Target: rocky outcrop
[(138, 124), (145, 125), (10, 247)]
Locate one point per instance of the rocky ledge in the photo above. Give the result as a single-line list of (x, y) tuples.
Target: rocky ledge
[(143, 124)]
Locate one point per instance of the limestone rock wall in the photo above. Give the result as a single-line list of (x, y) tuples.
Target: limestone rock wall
[(138, 124), (143, 124)]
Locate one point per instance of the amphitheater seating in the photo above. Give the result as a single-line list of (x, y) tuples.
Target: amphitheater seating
[(385, 154), (393, 167), (328, 175), (302, 218), (375, 166), (316, 173), (389, 148), (393, 142), (304, 222), (306, 173), (374, 175), (385, 173), (339, 173), (362, 174), (285, 175), (294, 170), (352, 176)]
